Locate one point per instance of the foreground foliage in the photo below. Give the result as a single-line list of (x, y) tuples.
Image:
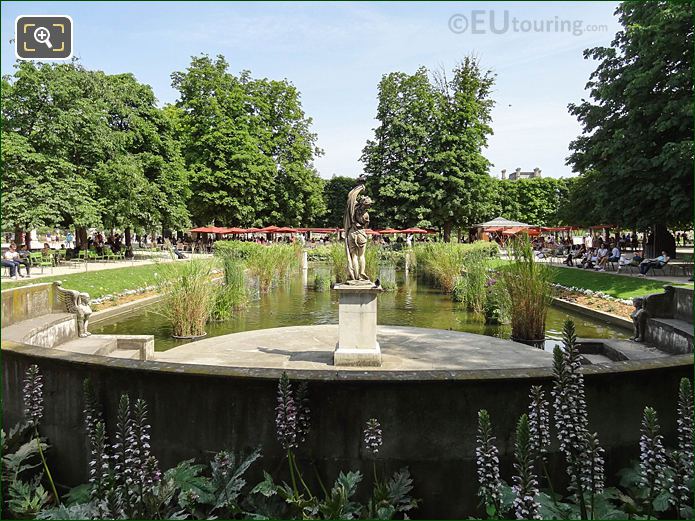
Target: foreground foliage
[(660, 485)]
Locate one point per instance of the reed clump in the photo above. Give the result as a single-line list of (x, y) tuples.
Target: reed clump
[(528, 286)]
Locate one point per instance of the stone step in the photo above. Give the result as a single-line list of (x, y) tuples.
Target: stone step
[(670, 334), (104, 345), (632, 350)]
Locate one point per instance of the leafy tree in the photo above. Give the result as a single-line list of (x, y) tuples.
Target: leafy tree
[(248, 145), (534, 201), (459, 185), (335, 191), (637, 140), (84, 148), (425, 164), (397, 160)]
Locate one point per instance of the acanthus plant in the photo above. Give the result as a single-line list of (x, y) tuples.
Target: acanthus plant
[(488, 467), (33, 412)]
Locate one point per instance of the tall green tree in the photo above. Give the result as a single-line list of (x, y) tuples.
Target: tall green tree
[(536, 201), (397, 160), (459, 186), (425, 164), (637, 138), (82, 148), (248, 145), (335, 192)]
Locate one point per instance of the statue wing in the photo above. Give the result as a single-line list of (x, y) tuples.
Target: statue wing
[(69, 297)]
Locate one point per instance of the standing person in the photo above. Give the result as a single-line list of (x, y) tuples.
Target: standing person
[(69, 238)]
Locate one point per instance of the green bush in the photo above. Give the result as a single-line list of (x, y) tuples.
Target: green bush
[(268, 263), (232, 293), (322, 282)]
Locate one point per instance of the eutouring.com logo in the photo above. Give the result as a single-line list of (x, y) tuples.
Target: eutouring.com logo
[(501, 22)]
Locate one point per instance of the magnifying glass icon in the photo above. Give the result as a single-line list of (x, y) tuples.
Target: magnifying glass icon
[(43, 35)]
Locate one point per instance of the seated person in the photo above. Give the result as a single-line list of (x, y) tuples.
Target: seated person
[(24, 258), (588, 259), (12, 256), (613, 257), (12, 265), (48, 253), (601, 253), (648, 264), (578, 254)]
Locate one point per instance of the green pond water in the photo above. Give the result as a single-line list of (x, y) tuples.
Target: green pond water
[(414, 303)]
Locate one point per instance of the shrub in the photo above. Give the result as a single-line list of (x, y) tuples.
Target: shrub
[(232, 293), (322, 282), (266, 262)]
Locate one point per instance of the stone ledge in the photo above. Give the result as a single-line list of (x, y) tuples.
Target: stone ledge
[(155, 367), (609, 318)]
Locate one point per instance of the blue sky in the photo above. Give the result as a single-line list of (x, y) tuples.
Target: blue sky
[(336, 53)]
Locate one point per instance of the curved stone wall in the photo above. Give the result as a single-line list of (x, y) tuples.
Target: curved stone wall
[(428, 418)]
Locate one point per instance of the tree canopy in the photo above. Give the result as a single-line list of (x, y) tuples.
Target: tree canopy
[(85, 148), (425, 164), (636, 149), (248, 145)]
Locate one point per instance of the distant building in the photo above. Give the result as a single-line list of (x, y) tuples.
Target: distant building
[(518, 174)]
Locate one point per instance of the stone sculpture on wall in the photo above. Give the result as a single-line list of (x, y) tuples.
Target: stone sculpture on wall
[(77, 303), (639, 318)]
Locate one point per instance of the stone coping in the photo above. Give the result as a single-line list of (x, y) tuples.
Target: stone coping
[(610, 318), (338, 375)]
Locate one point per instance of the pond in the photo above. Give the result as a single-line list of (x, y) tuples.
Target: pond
[(414, 303)]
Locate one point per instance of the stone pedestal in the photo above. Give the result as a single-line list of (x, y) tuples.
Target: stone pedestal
[(357, 345)]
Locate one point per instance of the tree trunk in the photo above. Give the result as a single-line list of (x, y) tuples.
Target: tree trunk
[(18, 235), (447, 231), (128, 248), (660, 240), (81, 237), (27, 236)]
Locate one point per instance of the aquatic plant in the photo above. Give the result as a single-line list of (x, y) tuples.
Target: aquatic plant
[(528, 284), (188, 296)]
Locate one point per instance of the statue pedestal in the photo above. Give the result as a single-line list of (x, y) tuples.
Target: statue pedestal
[(357, 345)]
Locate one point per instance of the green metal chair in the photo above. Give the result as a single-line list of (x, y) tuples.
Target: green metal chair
[(38, 259)]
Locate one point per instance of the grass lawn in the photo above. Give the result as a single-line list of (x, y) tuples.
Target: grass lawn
[(618, 286), (100, 283)]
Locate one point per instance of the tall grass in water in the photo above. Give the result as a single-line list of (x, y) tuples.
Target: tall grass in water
[(232, 293), (188, 296), (470, 288), (266, 262), (445, 263), (528, 286), (338, 260)]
